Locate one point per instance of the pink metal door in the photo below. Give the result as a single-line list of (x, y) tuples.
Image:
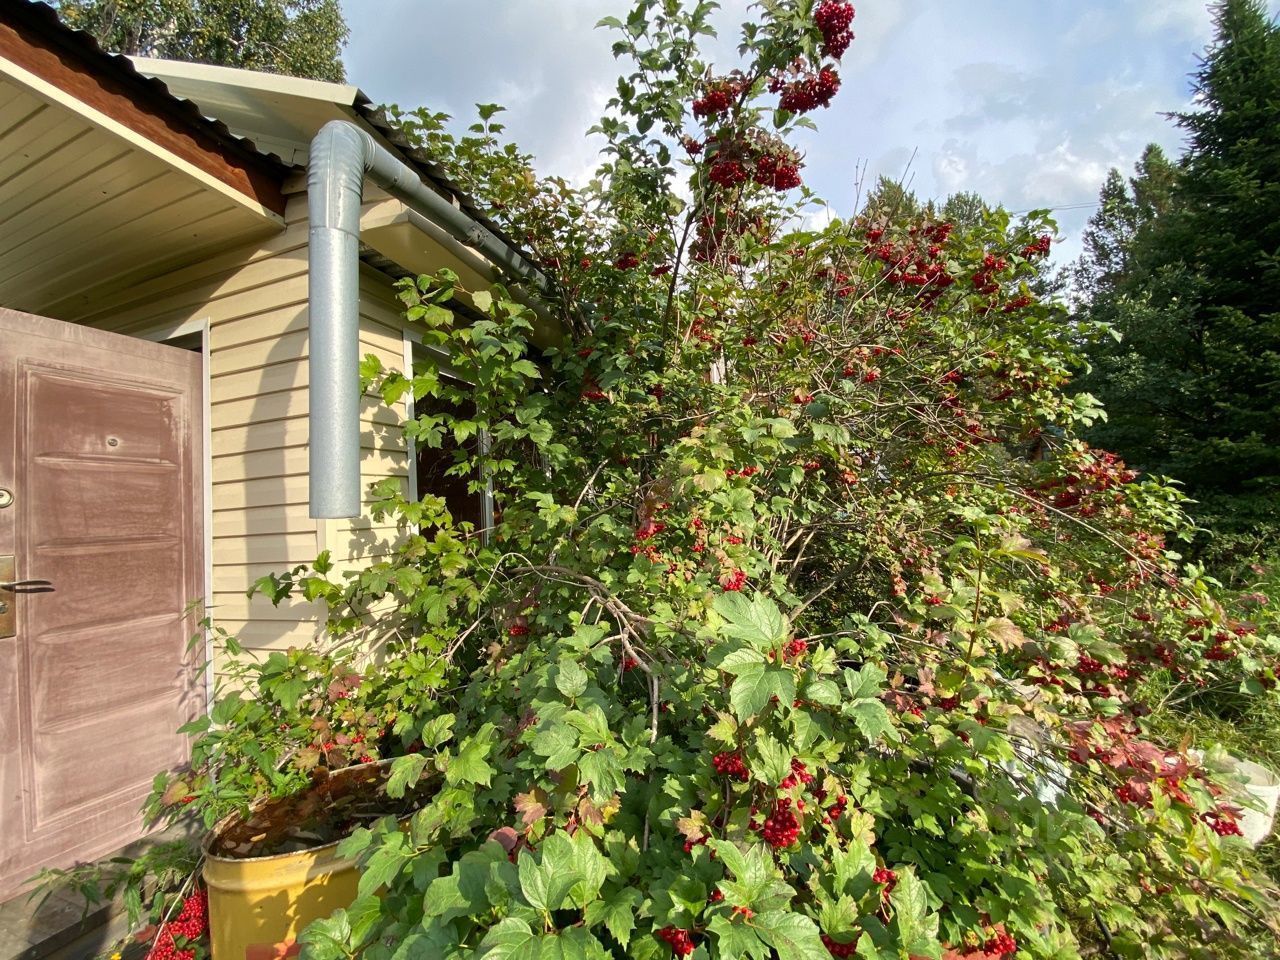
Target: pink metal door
[(101, 471)]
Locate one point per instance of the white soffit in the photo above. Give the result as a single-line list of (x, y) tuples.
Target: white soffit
[(279, 114)]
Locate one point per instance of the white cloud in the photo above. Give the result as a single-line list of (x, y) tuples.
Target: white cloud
[(1026, 104)]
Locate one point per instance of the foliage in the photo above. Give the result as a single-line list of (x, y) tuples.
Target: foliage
[(1185, 270), (808, 626), (300, 38), (280, 718), (164, 908)]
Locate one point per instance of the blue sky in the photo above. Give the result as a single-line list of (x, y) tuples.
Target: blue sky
[(1026, 103)]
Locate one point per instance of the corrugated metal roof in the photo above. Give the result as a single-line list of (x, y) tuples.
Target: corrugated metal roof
[(205, 116), (44, 18)]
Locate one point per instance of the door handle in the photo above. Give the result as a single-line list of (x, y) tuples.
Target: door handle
[(14, 584)]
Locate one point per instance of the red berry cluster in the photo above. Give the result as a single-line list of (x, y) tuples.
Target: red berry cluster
[(781, 828), (190, 925), (518, 630), (838, 949), (719, 96), (1038, 248), (1000, 944), (734, 581), (164, 947), (778, 171), (794, 650), (807, 92), (1222, 823), (886, 878), (799, 774), (1087, 665), (984, 280), (1220, 650), (627, 261), (680, 940), (730, 765), (833, 18), (629, 664), (649, 529), (727, 174), (193, 920)]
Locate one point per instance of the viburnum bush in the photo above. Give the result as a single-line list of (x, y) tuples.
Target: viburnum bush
[(807, 627)]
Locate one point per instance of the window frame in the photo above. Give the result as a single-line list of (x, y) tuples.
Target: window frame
[(417, 351)]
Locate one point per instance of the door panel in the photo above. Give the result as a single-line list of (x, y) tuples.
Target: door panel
[(100, 444)]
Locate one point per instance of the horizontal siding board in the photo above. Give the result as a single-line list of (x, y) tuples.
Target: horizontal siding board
[(269, 312), (293, 432), (294, 461), (269, 634), (196, 290), (287, 375), (280, 348), (275, 406), (269, 548), (240, 608)]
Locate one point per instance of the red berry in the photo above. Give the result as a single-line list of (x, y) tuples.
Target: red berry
[(680, 941), (780, 828), (730, 765)]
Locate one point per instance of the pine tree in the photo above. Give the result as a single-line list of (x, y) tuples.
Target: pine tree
[(1186, 265), (301, 38)]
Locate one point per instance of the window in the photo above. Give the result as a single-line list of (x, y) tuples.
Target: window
[(430, 465)]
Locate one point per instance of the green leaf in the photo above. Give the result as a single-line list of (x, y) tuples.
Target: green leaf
[(867, 682), (617, 913), (756, 685), (559, 744), (917, 930), (327, 939), (405, 773), (469, 766), (483, 300), (437, 730), (793, 936), (510, 939), (571, 679), (757, 620), (363, 915), (590, 865), (546, 881), (385, 863), (873, 720), (737, 939)]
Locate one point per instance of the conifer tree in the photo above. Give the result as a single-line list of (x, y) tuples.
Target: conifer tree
[(1186, 265)]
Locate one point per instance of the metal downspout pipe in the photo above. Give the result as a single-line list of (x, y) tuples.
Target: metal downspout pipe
[(342, 157)]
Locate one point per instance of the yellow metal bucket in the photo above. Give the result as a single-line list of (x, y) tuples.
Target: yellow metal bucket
[(258, 905)]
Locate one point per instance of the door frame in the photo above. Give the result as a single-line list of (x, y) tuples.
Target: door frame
[(161, 333)]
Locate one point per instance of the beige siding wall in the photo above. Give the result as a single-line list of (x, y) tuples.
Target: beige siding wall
[(254, 299)]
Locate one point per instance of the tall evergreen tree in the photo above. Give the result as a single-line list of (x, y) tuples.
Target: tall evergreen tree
[(301, 38), (1186, 265)]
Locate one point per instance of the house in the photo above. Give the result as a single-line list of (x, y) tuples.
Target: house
[(192, 260)]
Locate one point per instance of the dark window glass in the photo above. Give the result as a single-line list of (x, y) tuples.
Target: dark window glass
[(433, 462)]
